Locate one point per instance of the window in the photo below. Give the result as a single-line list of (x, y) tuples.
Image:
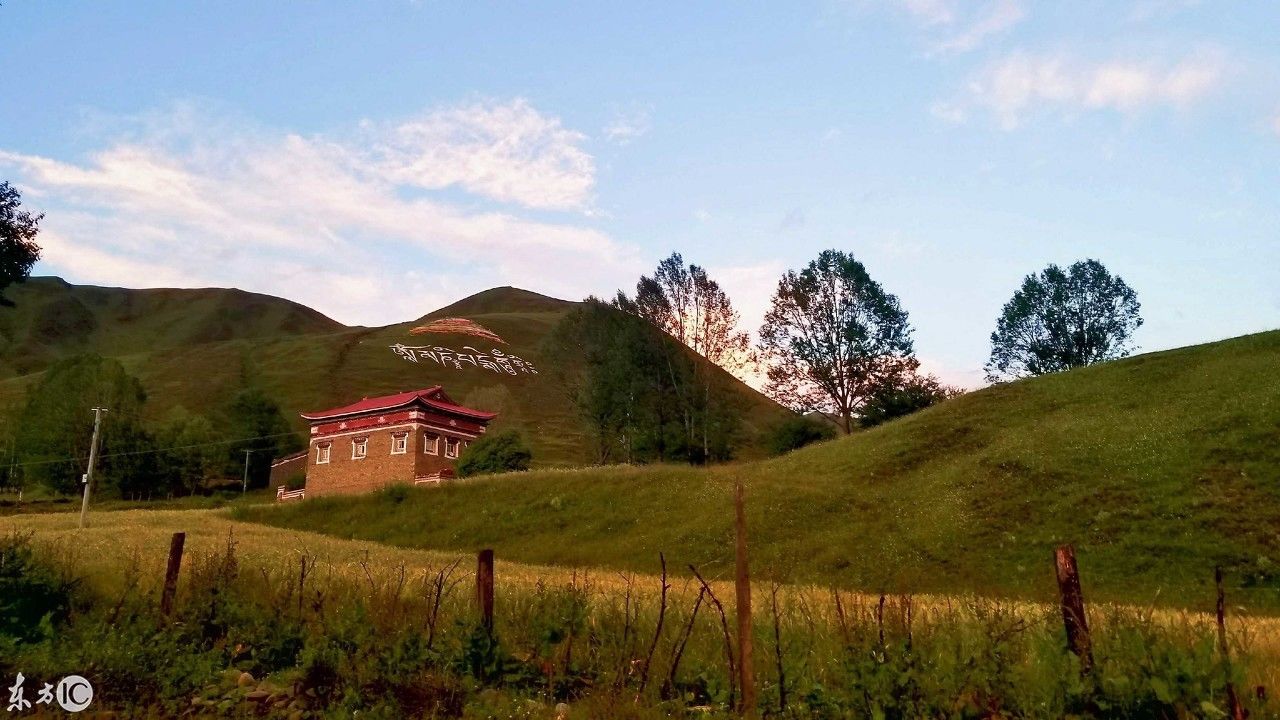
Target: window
[(399, 443), (359, 448), (322, 454), (450, 448), (431, 444)]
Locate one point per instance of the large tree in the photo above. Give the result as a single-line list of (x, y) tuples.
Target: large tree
[(259, 428), (18, 248), (683, 301), (831, 337), (1063, 319), (56, 426)]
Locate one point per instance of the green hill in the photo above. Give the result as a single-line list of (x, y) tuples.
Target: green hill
[(1158, 468), (196, 348)]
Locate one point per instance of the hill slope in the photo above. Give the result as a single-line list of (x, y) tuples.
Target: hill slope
[(196, 348), (1157, 467)]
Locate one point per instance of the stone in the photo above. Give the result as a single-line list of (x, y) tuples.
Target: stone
[(245, 680), (562, 711)]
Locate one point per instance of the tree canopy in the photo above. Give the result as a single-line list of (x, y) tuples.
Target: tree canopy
[(496, 453), (831, 336), (1063, 319), (18, 248)]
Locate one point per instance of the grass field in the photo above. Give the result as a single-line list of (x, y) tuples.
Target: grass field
[(959, 656), (1157, 468)]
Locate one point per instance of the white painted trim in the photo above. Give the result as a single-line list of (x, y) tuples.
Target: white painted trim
[(366, 431), (327, 448), (363, 444), (401, 439), (434, 446)]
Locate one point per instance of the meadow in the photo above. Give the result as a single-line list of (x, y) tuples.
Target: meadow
[(280, 623)]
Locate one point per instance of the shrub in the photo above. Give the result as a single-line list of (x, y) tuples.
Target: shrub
[(34, 597), (796, 432), (503, 452)]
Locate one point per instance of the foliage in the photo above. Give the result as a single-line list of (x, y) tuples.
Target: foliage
[(902, 394), (797, 432), (1059, 320), (630, 383), (260, 428), (189, 454), (685, 303), (34, 596), (496, 453), (18, 248), (56, 428), (832, 336)]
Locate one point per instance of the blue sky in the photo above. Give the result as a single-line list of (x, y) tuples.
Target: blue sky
[(378, 159)]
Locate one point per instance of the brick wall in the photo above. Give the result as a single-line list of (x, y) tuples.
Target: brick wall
[(379, 468)]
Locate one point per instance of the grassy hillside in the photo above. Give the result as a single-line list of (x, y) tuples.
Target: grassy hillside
[(1157, 467), (196, 348)]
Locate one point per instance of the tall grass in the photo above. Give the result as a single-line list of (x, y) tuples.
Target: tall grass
[(325, 628)]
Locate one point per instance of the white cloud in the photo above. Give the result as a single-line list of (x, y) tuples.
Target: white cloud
[(355, 224), (959, 26), (505, 151), (629, 125), (1021, 84), (997, 18)]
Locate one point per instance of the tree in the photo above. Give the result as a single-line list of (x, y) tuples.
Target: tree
[(259, 427), (621, 376), (498, 453), (18, 248), (796, 432), (902, 394), (56, 427), (685, 303), (831, 337), (1059, 320), (189, 452)]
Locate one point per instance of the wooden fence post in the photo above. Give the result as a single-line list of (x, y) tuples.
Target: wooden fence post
[(742, 586), (171, 573), (484, 587), (1234, 709), (1073, 615)]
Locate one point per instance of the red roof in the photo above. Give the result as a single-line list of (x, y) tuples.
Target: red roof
[(432, 397)]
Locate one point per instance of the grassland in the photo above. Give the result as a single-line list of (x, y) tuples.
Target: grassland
[(353, 639), (195, 348), (1157, 468)]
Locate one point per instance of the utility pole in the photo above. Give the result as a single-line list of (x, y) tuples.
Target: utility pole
[(244, 487), (93, 459)]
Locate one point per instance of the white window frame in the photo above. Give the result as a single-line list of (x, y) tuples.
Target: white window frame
[(456, 444), (431, 443), (359, 448), (399, 443), (322, 453)]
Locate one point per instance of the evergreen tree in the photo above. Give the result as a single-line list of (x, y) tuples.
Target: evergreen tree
[(256, 422)]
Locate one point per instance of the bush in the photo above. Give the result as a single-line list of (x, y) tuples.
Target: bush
[(34, 597), (503, 452), (796, 432)]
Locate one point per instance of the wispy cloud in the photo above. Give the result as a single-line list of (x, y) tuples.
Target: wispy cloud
[(1022, 84), (956, 26), (374, 225), (628, 125)]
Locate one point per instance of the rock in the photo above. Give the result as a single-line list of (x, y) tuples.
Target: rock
[(258, 696), (562, 711), (245, 680)]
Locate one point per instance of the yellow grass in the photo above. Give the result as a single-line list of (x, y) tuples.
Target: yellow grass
[(116, 539)]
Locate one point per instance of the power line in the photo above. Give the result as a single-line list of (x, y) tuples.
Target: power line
[(153, 450)]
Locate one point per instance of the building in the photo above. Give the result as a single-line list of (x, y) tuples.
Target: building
[(410, 437)]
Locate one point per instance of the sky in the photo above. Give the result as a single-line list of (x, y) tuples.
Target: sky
[(378, 159)]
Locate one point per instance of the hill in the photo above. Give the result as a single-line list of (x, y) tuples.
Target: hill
[(194, 349), (1157, 468)]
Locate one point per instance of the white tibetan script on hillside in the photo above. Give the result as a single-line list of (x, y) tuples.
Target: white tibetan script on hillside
[(495, 360)]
